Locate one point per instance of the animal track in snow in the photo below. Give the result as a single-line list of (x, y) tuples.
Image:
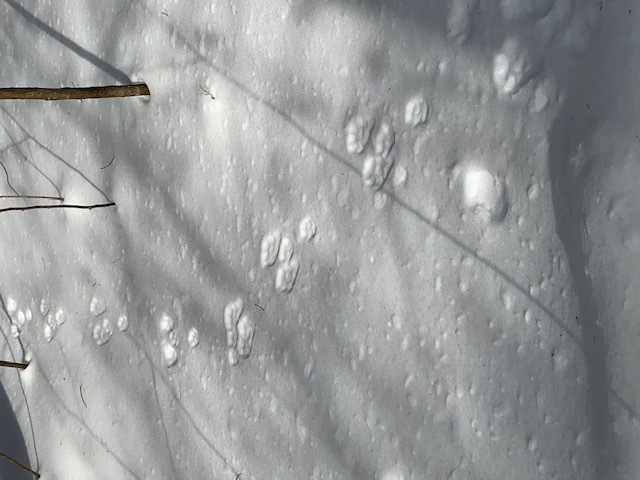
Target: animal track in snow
[(269, 248), (97, 306), (102, 332), (286, 276), (123, 323), (375, 170), (232, 313), (193, 337), (60, 316), (11, 305), (240, 331), (246, 330), (165, 324), (286, 250), (358, 131), (306, 229), (384, 140), (169, 353)]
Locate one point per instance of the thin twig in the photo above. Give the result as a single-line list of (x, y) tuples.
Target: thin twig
[(23, 467), (8, 182), (456, 467), (108, 164), (204, 91), (39, 197), (21, 366), (82, 397), (36, 207), (80, 93)]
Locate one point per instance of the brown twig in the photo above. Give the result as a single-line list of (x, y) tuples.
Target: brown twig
[(204, 91), (23, 467), (39, 197), (80, 93), (21, 366), (36, 207)]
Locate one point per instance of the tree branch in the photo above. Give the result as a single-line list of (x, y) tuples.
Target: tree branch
[(80, 93), (37, 207)]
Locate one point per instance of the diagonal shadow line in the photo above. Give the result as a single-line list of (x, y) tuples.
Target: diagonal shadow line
[(487, 263), (186, 413), (110, 70), (88, 430), (13, 145), (433, 224), (163, 423), (24, 393), (53, 154)]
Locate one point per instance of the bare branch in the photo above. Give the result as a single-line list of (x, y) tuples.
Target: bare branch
[(80, 93), (20, 366), (23, 467), (37, 207), (39, 197)]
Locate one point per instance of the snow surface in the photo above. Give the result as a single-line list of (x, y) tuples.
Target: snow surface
[(353, 239)]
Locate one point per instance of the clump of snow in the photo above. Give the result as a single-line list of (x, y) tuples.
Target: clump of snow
[(483, 193), (416, 111), (514, 66)]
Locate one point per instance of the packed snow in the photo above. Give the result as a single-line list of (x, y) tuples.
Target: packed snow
[(391, 240)]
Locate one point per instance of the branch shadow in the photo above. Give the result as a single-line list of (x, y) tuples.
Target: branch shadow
[(65, 41)]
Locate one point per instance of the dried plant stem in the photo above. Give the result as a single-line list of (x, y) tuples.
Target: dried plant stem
[(38, 207), (80, 93), (21, 366), (40, 197), (23, 467)]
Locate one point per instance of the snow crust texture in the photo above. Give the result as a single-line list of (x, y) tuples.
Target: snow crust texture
[(383, 240)]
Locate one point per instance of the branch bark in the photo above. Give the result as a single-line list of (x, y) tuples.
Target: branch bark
[(79, 93)]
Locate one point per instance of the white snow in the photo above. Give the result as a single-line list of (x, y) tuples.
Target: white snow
[(383, 240)]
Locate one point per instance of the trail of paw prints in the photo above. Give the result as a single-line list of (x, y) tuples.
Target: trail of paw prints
[(276, 247), (240, 331), (19, 318), (378, 160)]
